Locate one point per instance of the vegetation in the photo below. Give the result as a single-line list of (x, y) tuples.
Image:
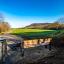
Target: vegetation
[(37, 25), (37, 33), (20, 30), (32, 33), (4, 26), (53, 26)]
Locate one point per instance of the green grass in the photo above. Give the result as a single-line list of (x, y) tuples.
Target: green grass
[(28, 30), (33, 33), (37, 33)]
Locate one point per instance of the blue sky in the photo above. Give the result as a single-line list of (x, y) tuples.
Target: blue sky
[(20, 13)]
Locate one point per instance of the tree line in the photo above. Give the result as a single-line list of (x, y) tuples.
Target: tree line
[(55, 25)]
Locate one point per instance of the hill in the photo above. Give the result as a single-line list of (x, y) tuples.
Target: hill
[(37, 25), (58, 24), (39, 30), (53, 26)]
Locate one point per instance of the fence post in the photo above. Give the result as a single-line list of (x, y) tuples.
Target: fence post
[(50, 45), (22, 48), (3, 51), (2, 54)]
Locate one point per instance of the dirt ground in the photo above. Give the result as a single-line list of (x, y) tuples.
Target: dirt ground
[(40, 55), (35, 55)]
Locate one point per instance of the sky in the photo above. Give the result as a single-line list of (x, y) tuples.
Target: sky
[(20, 13)]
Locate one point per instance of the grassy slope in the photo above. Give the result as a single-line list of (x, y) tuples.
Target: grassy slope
[(33, 33), (59, 33), (16, 30), (38, 33)]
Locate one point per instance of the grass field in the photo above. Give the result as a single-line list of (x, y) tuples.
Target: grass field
[(37, 33), (29, 30), (33, 33)]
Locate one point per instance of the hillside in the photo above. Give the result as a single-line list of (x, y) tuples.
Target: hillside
[(37, 33), (58, 24), (38, 30), (55, 25), (37, 25), (32, 33)]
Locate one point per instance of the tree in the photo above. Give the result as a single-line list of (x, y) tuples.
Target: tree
[(55, 25), (4, 26)]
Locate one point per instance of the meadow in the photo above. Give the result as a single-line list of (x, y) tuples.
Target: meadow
[(20, 30), (33, 33)]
